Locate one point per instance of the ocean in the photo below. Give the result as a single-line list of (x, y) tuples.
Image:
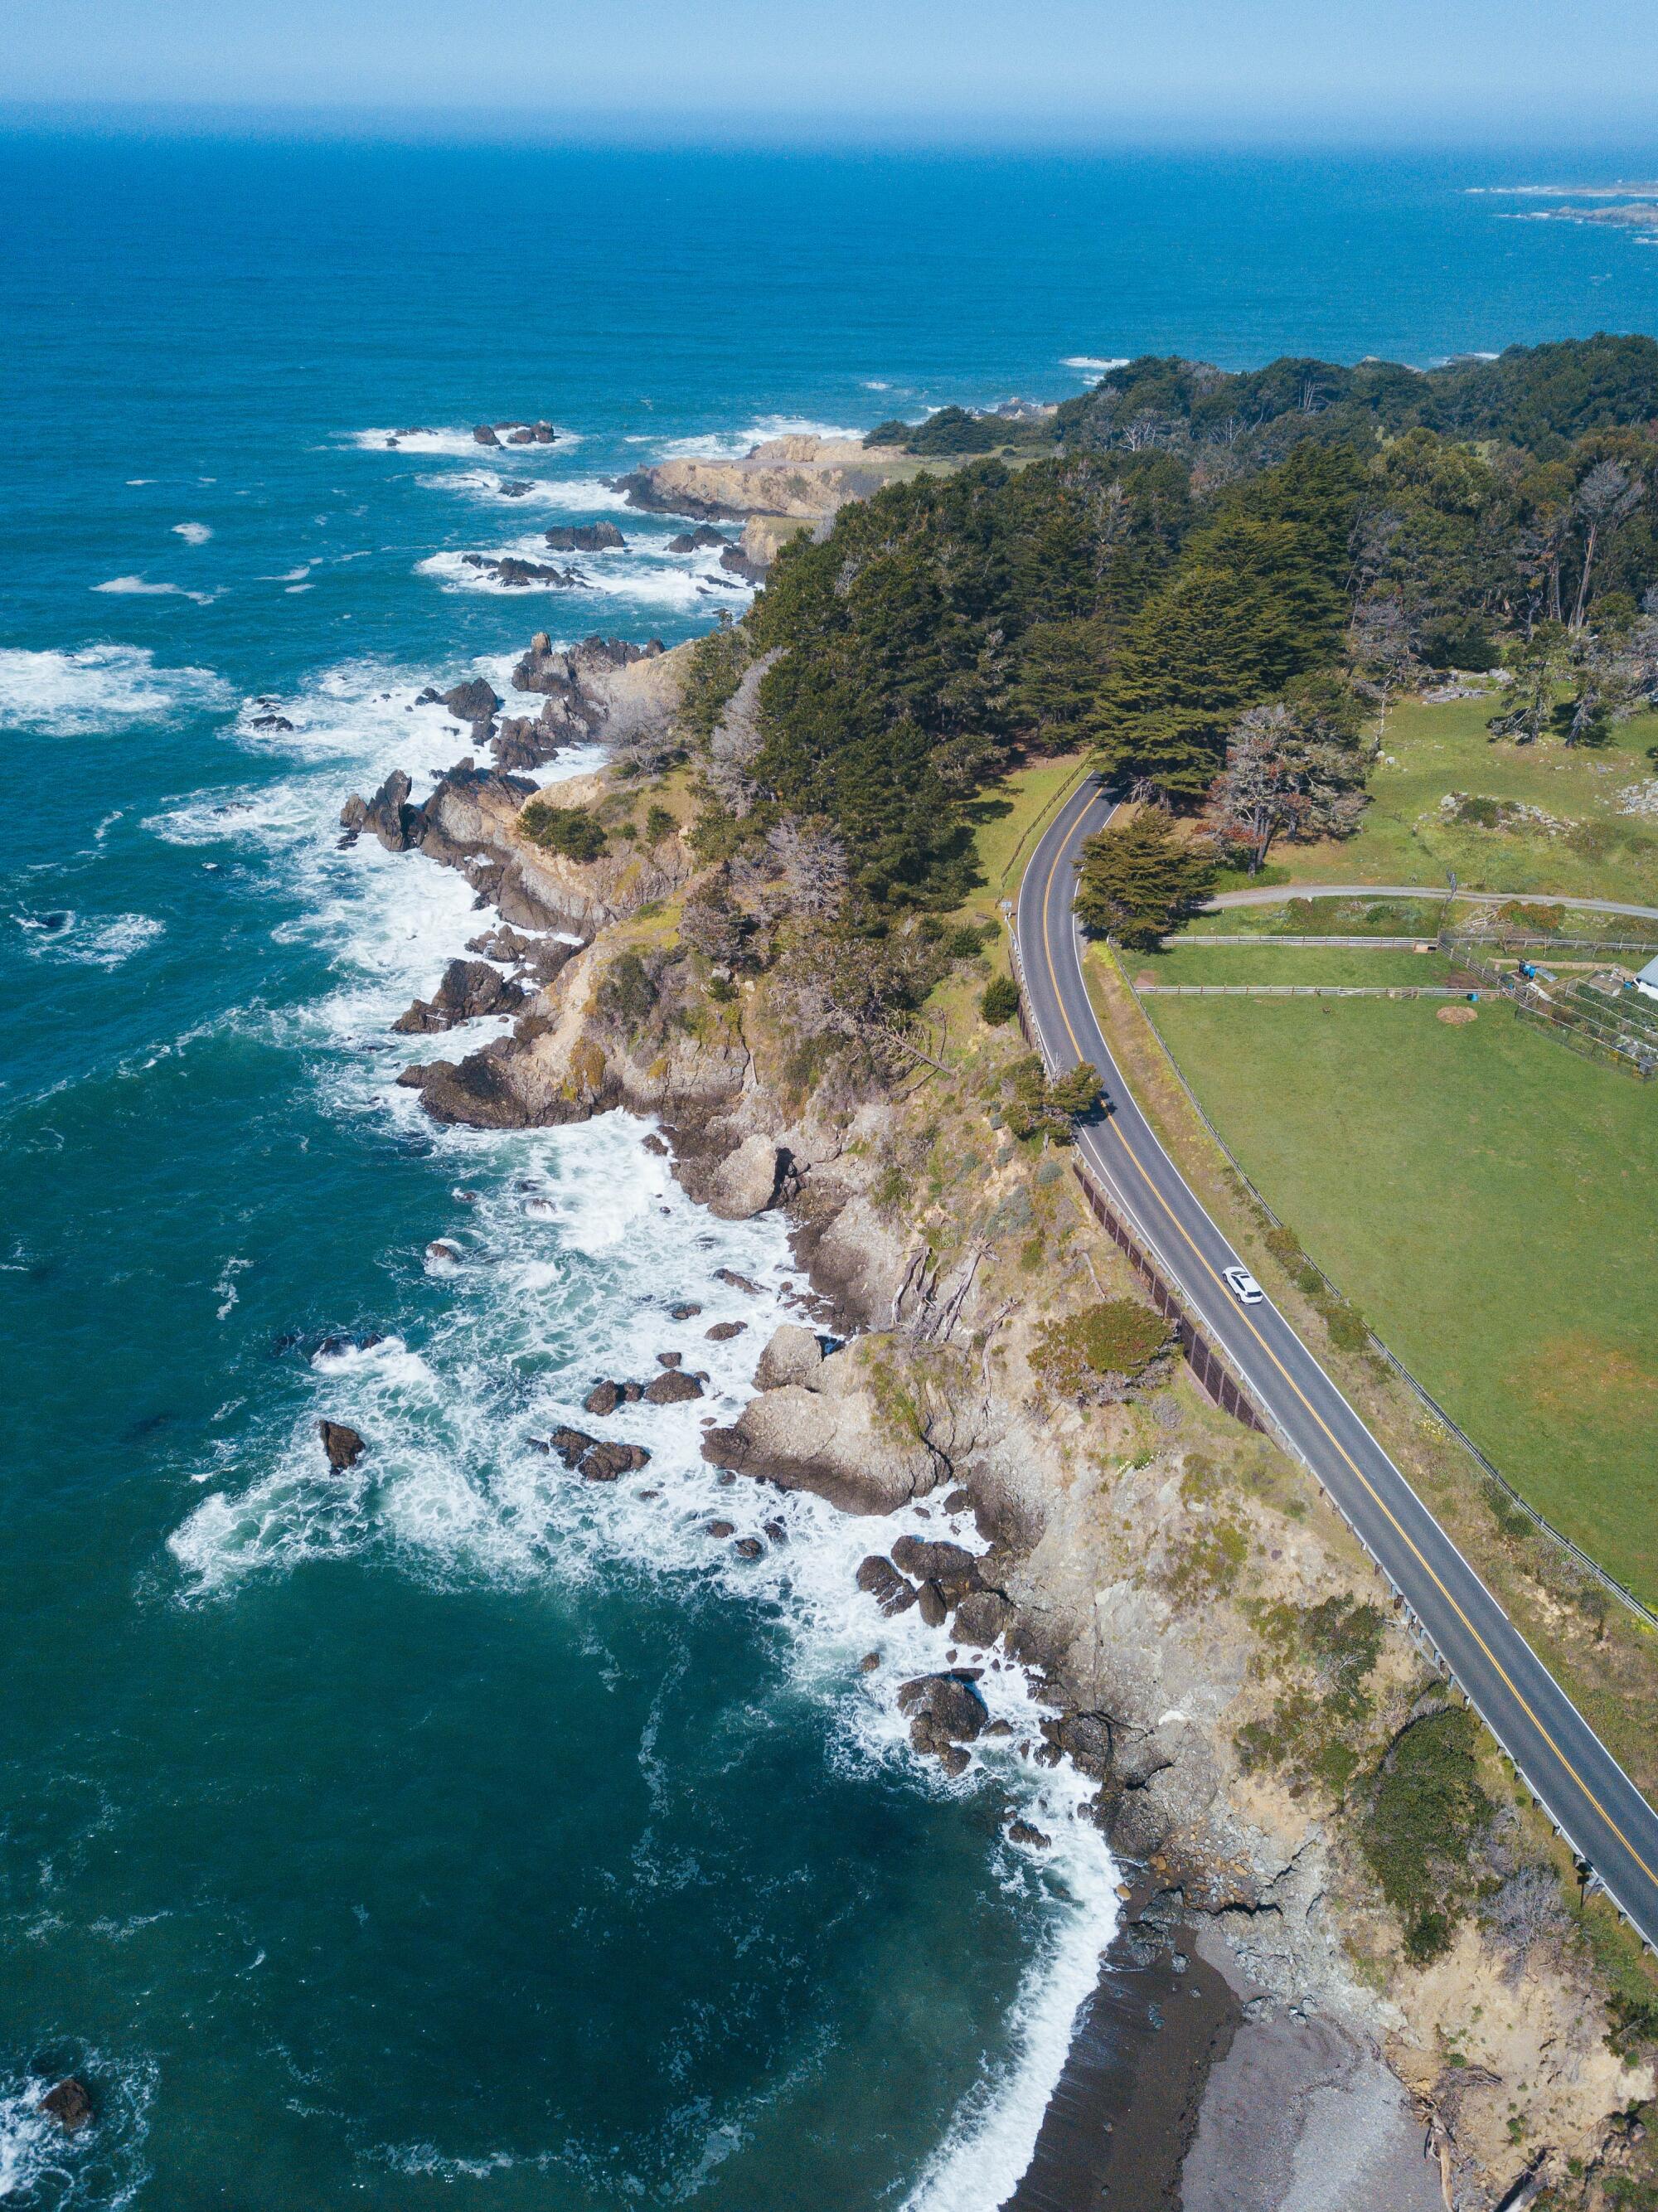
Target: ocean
[(445, 1831)]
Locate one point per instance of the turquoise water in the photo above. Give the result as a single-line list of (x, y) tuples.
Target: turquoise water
[(443, 1831)]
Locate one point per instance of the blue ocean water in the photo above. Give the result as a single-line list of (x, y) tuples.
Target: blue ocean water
[(445, 1830)]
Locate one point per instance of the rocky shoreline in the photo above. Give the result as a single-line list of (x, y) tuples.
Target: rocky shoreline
[(915, 1385)]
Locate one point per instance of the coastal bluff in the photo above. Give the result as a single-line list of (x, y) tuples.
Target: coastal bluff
[(774, 489)]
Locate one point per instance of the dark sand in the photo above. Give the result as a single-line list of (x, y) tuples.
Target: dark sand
[(1126, 2108)]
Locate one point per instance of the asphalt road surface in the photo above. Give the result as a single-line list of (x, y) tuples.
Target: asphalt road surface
[(1590, 1798)]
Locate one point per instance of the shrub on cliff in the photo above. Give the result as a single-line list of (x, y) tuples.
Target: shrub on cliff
[(1426, 1808), (1096, 1355), (1041, 1108), (999, 1002), (573, 831)]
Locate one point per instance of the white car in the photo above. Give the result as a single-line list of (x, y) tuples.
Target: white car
[(1242, 1286)]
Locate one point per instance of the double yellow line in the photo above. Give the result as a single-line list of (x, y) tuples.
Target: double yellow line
[(1380, 1504)]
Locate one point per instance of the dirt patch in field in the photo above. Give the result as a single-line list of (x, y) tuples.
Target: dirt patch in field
[(1458, 1015)]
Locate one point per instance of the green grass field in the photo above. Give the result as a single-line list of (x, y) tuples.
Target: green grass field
[(1489, 1203), (1006, 827), (1602, 852), (1195, 962)]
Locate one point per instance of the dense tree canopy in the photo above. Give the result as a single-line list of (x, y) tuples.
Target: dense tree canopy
[(1152, 568)]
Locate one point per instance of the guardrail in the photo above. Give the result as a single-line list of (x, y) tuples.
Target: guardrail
[(1209, 1369)]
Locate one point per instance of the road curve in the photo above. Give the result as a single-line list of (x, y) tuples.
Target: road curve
[(1587, 1794)]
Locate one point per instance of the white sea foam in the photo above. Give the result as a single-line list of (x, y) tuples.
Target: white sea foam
[(101, 2167), (733, 444), (1094, 361), (193, 533), (577, 1243), (647, 575), (100, 688), (457, 443), (140, 587), (96, 940), (568, 495)]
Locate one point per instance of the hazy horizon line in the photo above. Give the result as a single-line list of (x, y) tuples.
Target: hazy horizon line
[(919, 131)]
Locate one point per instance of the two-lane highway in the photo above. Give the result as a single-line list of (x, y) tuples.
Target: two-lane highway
[(1588, 1794)]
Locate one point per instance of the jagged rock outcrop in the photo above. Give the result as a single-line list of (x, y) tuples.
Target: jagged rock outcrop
[(585, 537), (751, 1179), (794, 1355), (343, 1446), (831, 1436), (468, 988), (946, 1713), (804, 477), (517, 573)]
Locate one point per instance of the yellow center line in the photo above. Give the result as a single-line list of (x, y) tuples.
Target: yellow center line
[(1380, 1503)]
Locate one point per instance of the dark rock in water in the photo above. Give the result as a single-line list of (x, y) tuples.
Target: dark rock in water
[(343, 1446), (470, 989), (723, 1331), (672, 1388), (722, 1528), (484, 435), (878, 1578), (603, 1398), (524, 435), (475, 701), (605, 1463), (655, 1144), (510, 488), (69, 2103), (869, 1663), (431, 696), (945, 1711), (738, 1282), (519, 743), (1020, 1831), (697, 540), (444, 1252), (932, 1606), (398, 825), (950, 1565), (748, 1547), (271, 722), (596, 1462), (58, 920), (958, 1502), (778, 1531), (687, 1310), (670, 1358), (508, 569), (737, 562), (586, 538), (471, 1093)]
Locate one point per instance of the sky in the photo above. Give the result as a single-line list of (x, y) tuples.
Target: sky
[(1560, 71)]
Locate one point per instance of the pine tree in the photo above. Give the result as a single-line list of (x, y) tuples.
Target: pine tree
[(1139, 878)]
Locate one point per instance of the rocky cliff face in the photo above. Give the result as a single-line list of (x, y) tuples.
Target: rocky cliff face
[(776, 487)]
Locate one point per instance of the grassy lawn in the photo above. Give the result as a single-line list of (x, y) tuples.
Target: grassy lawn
[(1490, 1202), (1433, 750), (1194, 962), (1327, 917), (1006, 819)]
